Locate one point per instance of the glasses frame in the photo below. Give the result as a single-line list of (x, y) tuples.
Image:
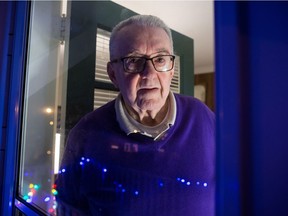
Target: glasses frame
[(146, 59)]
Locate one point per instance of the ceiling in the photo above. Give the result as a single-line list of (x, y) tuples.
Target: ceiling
[(194, 19)]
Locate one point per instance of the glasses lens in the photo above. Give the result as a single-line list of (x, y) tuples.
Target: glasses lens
[(163, 63), (134, 64)]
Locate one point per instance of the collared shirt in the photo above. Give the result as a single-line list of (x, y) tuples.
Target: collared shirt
[(129, 125)]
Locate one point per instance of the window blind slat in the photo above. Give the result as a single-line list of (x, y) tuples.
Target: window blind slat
[(102, 96)]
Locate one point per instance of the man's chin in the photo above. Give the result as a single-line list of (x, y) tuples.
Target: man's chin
[(149, 105)]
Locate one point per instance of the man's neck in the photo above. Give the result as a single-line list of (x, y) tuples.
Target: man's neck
[(149, 117)]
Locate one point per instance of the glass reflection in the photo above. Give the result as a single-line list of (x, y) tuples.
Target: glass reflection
[(67, 79)]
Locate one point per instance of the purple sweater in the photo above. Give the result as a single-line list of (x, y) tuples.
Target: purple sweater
[(106, 172)]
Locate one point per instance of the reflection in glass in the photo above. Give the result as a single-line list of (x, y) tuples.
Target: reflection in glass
[(54, 101), (43, 135)]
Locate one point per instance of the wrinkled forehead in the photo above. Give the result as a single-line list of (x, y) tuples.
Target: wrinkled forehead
[(142, 40)]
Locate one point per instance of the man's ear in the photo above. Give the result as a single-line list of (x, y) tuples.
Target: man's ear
[(111, 74), (171, 74)]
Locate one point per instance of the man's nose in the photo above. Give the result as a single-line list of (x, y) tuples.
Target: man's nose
[(149, 70)]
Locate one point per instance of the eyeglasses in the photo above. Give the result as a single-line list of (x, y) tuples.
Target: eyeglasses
[(161, 63)]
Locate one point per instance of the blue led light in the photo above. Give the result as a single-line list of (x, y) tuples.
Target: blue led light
[(198, 183), (104, 170), (63, 170), (82, 158), (205, 184), (123, 190), (136, 193), (188, 183), (182, 180), (47, 199), (161, 184), (88, 160), (81, 163)]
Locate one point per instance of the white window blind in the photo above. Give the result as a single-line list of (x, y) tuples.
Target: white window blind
[(102, 96), (102, 55), (175, 84)]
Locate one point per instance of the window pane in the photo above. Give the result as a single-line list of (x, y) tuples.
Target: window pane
[(43, 132)]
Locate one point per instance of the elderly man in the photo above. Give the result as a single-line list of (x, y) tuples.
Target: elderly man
[(148, 152)]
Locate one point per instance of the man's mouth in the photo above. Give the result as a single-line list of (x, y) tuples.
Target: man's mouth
[(148, 89)]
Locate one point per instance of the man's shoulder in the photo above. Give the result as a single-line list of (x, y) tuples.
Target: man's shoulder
[(190, 105), (186, 100)]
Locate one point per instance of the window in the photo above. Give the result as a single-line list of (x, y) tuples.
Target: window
[(102, 55), (175, 84), (102, 96), (43, 132), (104, 92)]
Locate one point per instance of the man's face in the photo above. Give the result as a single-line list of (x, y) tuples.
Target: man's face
[(147, 90)]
